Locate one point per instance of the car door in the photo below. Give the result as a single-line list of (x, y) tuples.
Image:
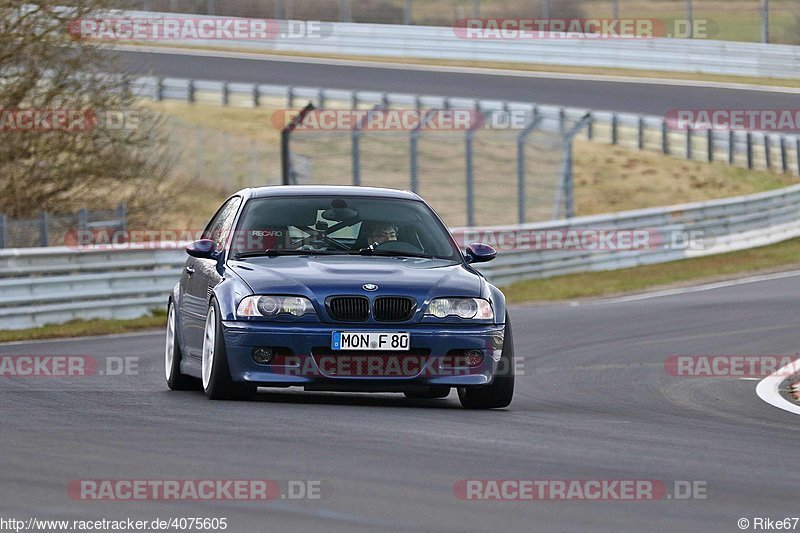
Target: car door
[(202, 276)]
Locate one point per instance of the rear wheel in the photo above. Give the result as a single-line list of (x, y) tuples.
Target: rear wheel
[(500, 392), (433, 393), (217, 383), (172, 356)]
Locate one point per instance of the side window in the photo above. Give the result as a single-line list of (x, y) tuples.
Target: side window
[(219, 229)]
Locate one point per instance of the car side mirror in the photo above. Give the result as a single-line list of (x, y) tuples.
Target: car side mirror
[(203, 249), (480, 253)]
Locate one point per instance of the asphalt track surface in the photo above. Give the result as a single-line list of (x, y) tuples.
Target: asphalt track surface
[(635, 97), (595, 403)]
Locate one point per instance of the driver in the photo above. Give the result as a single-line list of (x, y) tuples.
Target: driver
[(383, 233)]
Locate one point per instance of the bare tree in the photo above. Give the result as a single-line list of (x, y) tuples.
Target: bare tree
[(72, 133)]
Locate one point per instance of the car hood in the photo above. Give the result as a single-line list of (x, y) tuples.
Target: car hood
[(318, 277)]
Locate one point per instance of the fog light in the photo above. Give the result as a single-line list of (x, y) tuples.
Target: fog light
[(474, 357), (262, 356)]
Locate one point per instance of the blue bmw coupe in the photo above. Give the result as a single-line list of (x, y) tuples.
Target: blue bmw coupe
[(337, 289)]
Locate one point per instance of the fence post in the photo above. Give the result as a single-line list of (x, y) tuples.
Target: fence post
[(614, 124), (690, 17), (256, 95), (345, 13), (640, 133), (408, 17), (159, 89), (470, 178), (290, 97), (413, 156), (590, 128), (567, 182), (689, 147), (43, 228), (521, 171), (784, 156), (767, 152), (83, 219), (322, 98), (356, 148), (190, 90), (562, 120), (710, 144), (764, 21), (731, 147), (226, 93), (664, 137), (286, 133), (2, 231), (749, 150), (797, 153)]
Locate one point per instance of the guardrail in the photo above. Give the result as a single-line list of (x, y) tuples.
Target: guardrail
[(430, 42), (747, 149), (54, 285)]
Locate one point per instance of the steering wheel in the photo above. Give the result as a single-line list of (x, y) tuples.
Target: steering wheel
[(398, 246)]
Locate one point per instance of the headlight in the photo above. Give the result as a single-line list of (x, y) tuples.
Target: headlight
[(477, 308), (271, 306)]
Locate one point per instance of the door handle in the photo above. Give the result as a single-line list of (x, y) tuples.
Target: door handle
[(190, 270)]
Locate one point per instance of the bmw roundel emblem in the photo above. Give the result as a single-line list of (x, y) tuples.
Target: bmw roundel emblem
[(370, 287)]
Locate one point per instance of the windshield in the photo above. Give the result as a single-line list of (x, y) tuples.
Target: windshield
[(341, 225)]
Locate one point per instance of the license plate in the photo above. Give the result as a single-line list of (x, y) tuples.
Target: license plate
[(345, 340)]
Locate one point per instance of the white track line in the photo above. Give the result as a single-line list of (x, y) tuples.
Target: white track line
[(767, 389), (700, 288), (144, 333), (464, 70)]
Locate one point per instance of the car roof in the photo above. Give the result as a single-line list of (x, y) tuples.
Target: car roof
[(327, 190)]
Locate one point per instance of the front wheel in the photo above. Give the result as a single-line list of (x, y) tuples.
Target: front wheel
[(217, 383), (500, 391)]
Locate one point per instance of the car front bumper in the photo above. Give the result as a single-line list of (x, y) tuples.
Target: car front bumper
[(433, 358)]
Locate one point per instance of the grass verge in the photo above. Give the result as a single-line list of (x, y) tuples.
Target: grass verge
[(776, 257), (84, 328)]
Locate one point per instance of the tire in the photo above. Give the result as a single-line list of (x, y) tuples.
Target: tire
[(216, 376), (433, 393), (172, 356), (500, 391)]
